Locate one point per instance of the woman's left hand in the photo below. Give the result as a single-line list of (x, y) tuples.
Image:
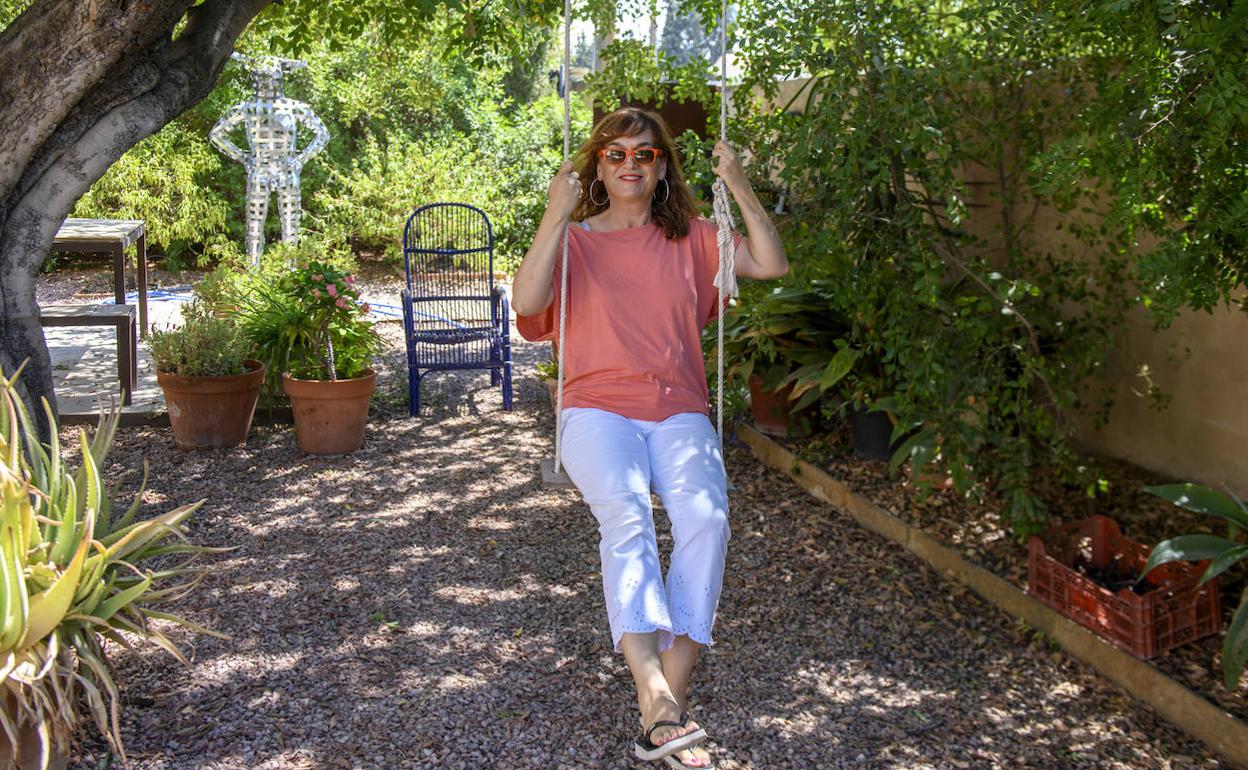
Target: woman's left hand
[(727, 166)]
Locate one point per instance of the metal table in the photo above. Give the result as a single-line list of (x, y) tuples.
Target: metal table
[(111, 236)]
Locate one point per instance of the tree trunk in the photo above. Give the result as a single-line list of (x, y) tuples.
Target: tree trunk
[(83, 82)]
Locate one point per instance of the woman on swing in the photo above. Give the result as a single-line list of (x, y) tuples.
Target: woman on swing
[(641, 272)]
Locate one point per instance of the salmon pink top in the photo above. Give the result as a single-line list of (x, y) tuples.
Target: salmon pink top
[(637, 303)]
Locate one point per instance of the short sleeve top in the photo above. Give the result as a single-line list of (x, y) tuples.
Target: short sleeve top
[(637, 304)]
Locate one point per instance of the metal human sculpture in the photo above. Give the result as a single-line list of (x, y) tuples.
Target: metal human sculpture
[(274, 161)]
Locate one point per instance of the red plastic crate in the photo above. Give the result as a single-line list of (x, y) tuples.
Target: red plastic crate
[(1174, 612)]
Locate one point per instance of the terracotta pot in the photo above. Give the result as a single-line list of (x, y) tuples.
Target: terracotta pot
[(770, 408), (211, 411), (330, 414)]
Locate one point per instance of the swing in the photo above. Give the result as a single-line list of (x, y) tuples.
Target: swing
[(553, 475)]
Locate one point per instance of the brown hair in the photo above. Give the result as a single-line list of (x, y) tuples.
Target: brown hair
[(672, 215)]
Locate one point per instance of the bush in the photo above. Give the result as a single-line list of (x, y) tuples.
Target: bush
[(408, 125)]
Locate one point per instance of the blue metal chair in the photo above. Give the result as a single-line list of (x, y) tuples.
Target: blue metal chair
[(454, 316)]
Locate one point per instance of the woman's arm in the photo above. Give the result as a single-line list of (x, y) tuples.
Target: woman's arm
[(761, 254), (531, 292)]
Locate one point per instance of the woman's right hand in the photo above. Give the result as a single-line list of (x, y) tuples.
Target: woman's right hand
[(565, 191)]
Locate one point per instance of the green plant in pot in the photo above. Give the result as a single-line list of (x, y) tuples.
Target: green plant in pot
[(210, 383), (788, 346), (328, 372)]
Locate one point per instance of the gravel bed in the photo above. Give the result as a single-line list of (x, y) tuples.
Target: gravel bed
[(975, 530), (425, 603)]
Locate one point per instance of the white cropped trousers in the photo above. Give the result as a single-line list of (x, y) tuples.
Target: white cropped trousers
[(615, 461)]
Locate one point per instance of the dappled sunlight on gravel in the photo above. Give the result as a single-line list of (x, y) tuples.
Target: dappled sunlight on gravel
[(425, 603)]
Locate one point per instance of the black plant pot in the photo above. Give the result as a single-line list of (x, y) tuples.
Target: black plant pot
[(871, 433)]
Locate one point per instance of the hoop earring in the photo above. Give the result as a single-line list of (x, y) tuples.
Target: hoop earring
[(591, 194), (667, 191)]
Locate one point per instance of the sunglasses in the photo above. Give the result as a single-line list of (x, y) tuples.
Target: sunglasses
[(616, 156)]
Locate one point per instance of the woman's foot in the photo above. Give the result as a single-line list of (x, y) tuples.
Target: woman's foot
[(695, 758), (665, 730)]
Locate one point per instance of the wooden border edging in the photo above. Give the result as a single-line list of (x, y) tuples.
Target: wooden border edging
[(1188, 711)]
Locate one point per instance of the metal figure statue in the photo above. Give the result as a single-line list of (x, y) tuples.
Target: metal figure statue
[(274, 161)]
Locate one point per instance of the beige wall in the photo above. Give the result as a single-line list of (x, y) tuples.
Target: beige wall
[(1201, 362)]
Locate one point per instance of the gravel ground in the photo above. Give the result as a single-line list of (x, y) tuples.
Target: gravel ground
[(425, 603), (975, 529)]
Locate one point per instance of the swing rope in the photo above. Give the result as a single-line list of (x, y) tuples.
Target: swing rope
[(563, 273), (725, 279)]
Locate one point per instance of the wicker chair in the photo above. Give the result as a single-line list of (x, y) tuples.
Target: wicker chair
[(454, 316)]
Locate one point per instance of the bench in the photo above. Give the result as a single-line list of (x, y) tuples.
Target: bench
[(123, 318)]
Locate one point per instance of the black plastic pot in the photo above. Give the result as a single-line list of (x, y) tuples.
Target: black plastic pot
[(871, 434)]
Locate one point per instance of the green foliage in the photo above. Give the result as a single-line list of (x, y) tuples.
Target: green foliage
[(634, 72), (1166, 140), (308, 322), (1222, 553), (179, 184), (10, 10), (979, 337), (205, 345), (410, 123)]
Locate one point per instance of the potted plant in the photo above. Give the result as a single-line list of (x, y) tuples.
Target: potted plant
[(330, 380), (210, 384), (787, 346)]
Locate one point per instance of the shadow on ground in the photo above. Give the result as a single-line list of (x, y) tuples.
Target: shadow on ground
[(423, 602)]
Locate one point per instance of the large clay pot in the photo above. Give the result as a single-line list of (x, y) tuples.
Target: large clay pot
[(211, 411), (769, 408), (330, 414)]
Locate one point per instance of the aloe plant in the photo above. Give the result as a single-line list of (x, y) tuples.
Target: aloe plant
[(69, 578), (1222, 553)]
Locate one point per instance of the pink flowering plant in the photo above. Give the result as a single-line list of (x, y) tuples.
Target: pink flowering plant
[(341, 339)]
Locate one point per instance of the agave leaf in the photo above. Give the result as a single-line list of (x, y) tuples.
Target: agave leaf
[(12, 566), (48, 607), (1200, 499), (109, 606), (66, 541), (133, 510), (186, 624), (103, 677), (1186, 548), (139, 535)]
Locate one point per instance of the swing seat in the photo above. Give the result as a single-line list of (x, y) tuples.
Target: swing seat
[(552, 480), (454, 316)]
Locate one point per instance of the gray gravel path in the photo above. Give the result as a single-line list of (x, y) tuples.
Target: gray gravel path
[(424, 603)]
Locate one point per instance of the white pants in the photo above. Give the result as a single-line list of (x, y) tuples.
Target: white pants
[(615, 461)]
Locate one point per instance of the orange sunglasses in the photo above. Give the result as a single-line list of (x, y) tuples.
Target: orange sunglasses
[(616, 156)]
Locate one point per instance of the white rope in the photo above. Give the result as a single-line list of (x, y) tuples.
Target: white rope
[(726, 279), (563, 277)]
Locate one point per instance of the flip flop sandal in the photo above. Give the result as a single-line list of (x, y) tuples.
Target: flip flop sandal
[(671, 761), (648, 751)]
